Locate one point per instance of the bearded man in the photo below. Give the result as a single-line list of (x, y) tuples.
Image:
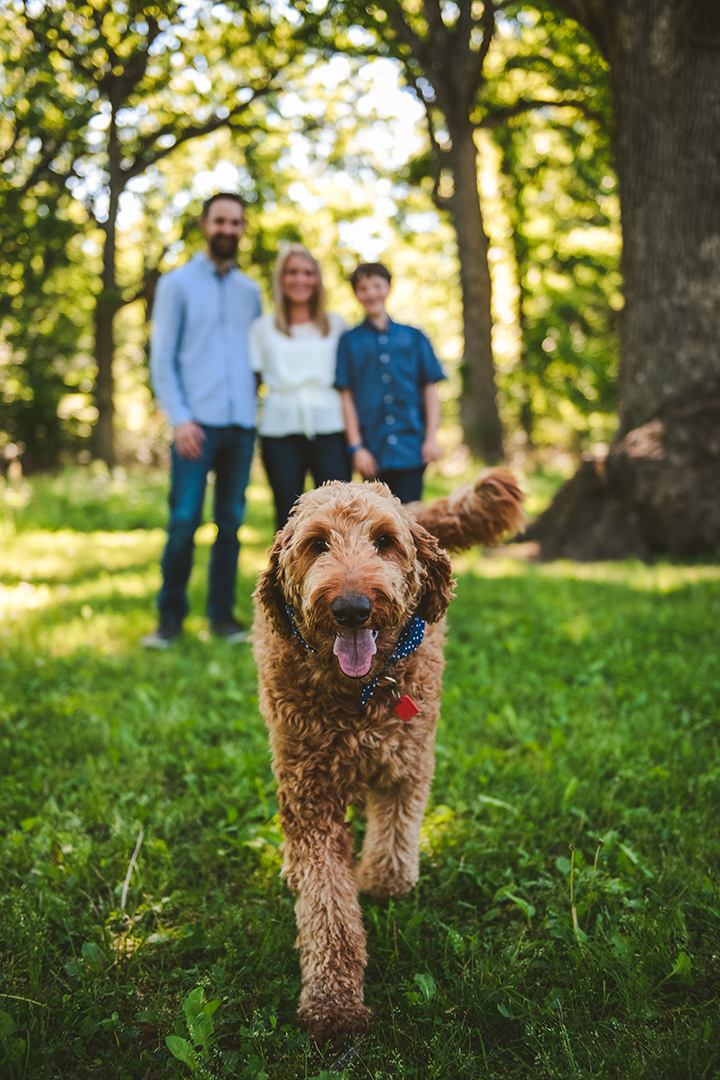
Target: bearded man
[(201, 375)]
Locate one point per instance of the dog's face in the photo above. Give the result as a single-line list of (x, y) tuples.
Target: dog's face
[(355, 566)]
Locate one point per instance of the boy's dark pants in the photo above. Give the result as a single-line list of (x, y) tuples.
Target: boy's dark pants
[(407, 484)]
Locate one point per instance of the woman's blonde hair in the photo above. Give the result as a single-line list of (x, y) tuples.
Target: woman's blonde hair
[(282, 307)]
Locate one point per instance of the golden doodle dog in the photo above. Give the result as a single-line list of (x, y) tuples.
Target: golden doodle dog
[(348, 639)]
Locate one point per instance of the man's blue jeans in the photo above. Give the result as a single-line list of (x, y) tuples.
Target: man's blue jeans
[(229, 451)]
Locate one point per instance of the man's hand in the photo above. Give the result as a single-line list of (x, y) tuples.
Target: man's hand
[(189, 438), (365, 463), (431, 450)]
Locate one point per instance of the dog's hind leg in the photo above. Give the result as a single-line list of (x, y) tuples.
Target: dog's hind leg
[(390, 859), (331, 939)]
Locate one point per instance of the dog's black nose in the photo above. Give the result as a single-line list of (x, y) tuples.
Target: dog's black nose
[(352, 609)]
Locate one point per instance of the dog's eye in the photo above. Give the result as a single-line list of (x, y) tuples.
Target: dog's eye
[(318, 546), (382, 543)]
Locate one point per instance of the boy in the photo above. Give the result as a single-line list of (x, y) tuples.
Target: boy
[(387, 374)]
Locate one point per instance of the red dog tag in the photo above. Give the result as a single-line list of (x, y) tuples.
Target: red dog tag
[(406, 708)]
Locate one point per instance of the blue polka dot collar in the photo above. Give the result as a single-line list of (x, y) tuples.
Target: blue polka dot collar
[(411, 637)]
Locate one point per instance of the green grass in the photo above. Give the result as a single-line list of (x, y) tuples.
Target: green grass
[(580, 706)]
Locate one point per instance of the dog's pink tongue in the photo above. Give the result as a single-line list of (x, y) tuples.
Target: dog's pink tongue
[(355, 650)]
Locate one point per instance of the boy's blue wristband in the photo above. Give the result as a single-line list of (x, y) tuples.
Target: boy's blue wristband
[(352, 449)]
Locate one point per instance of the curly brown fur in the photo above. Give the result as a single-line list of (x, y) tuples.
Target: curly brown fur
[(349, 544)]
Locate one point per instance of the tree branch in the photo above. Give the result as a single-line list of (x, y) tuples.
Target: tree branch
[(198, 129), (193, 132), (594, 15), (465, 21), (498, 118), (416, 45), (487, 21), (41, 168), (434, 19), (437, 149), (13, 142)]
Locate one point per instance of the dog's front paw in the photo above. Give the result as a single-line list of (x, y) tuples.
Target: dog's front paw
[(327, 1021)]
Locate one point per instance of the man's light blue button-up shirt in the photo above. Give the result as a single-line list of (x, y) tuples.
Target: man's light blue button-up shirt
[(199, 357)]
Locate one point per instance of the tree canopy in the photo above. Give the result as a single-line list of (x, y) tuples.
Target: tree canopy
[(99, 93), (102, 106)]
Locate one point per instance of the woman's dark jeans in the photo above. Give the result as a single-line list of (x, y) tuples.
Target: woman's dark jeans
[(289, 458), (229, 451)]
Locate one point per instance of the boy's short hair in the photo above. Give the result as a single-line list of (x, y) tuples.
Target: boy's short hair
[(232, 195), (369, 270)]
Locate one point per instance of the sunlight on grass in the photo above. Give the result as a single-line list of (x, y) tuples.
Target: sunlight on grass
[(661, 577)]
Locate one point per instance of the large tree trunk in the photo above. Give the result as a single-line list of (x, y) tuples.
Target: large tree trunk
[(479, 415), (659, 490)]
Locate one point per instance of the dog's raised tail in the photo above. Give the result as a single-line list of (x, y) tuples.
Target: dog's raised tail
[(475, 513)]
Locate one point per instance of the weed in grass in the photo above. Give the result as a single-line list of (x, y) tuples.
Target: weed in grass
[(580, 708)]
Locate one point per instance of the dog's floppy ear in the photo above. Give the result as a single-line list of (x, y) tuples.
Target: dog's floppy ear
[(269, 592), (437, 583)]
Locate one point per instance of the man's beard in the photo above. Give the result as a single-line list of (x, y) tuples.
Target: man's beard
[(223, 247)]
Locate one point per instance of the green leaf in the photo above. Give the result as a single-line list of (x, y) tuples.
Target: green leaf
[(570, 789), (183, 1051), (527, 909), (634, 859), (7, 1025), (201, 1028), (497, 802), (193, 1003), (682, 970), (505, 894), (91, 951), (426, 984), (456, 941)]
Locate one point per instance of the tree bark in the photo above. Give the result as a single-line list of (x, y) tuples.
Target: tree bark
[(452, 64), (660, 485), (478, 404), (106, 306)]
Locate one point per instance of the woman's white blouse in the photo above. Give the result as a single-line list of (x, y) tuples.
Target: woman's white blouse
[(299, 372)]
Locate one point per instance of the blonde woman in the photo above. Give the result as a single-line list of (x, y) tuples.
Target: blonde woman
[(293, 351)]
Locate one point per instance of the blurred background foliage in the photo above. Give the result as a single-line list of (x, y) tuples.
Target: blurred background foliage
[(324, 156), (560, 189)]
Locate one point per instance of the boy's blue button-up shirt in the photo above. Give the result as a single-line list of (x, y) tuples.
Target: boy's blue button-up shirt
[(199, 358), (387, 372)]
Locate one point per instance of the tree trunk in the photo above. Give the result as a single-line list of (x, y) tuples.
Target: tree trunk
[(104, 432), (106, 307), (478, 404), (659, 490)]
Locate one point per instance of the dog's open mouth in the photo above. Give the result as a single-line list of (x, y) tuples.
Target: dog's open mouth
[(355, 650)]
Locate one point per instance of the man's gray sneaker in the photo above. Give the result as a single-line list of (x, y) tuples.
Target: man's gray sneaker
[(163, 637), (231, 630)]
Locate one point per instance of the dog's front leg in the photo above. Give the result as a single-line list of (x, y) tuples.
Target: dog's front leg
[(390, 860), (331, 939)]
